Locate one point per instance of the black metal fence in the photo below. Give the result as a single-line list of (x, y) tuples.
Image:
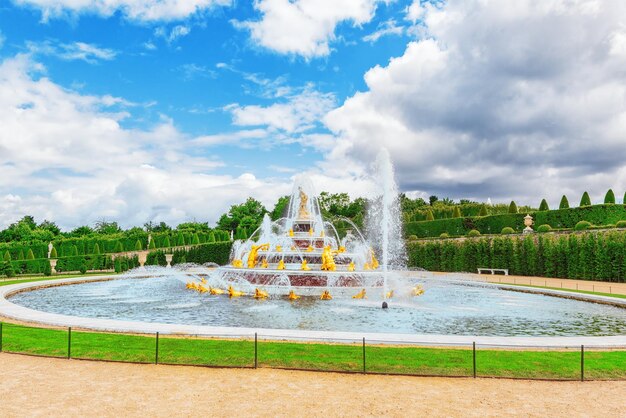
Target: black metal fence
[(337, 355)]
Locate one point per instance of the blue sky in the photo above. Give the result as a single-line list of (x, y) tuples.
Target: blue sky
[(192, 69), (138, 110)]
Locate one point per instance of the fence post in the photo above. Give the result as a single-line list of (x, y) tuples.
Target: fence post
[(582, 363), (256, 351), (474, 358), (69, 342), (363, 354), (156, 350)]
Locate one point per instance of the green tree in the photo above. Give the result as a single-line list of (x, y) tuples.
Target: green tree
[(432, 200), (195, 240), (119, 247), (81, 231), (152, 244), (53, 253), (107, 228), (280, 208), (166, 242), (247, 214), (456, 212), (30, 255), (512, 207), (544, 205), (429, 216), (483, 211), (609, 198), (7, 256), (180, 240), (96, 249), (211, 237), (20, 255), (564, 203), (51, 227), (117, 265), (138, 246), (585, 200)]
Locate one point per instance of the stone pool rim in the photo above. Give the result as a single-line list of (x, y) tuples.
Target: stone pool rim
[(33, 317)]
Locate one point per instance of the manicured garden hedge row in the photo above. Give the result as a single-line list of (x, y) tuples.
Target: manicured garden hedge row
[(562, 218), (218, 252), (588, 255), (95, 245)]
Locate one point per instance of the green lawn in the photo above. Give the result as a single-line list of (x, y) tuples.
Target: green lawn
[(533, 364), (588, 292)]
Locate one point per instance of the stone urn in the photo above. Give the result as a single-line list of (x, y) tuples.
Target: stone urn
[(53, 265), (528, 222), (168, 258)]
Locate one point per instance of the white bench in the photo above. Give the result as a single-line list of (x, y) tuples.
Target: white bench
[(493, 271)]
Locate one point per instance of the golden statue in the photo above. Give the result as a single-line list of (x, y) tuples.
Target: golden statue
[(237, 263), (281, 265), (351, 266), (264, 263), (303, 212), (293, 296), (216, 291), (326, 295), (260, 294), (252, 257), (360, 295), (234, 293), (304, 266), (417, 291), (389, 294), (328, 262)]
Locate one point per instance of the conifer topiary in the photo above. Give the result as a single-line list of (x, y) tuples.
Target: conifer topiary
[(20, 255), (585, 200), (483, 211), (138, 246), (429, 216), (195, 239), (512, 207), (7, 256), (564, 203), (544, 205), (166, 242), (211, 237), (119, 247), (96, 249), (456, 212), (53, 253), (152, 244), (609, 198), (30, 255), (180, 241)]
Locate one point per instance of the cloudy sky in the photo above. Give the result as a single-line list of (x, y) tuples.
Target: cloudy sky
[(172, 110)]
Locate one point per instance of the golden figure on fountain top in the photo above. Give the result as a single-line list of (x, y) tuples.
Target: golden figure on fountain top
[(303, 212)]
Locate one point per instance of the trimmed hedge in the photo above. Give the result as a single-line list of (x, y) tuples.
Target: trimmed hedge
[(218, 252), (588, 255), (561, 218)]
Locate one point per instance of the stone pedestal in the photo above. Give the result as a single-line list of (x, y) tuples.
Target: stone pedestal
[(53, 265), (168, 258)]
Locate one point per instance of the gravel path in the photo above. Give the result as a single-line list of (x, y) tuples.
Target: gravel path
[(32, 386)]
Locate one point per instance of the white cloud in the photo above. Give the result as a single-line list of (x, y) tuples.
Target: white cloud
[(304, 27), (386, 28), (508, 99), (299, 113), (82, 51), (174, 34), (138, 10), (191, 71)]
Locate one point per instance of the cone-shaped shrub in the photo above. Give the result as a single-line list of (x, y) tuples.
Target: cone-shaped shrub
[(30, 255), (152, 245), (564, 203), (609, 197), (166, 242), (53, 253), (544, 205), (74, 250), (211, 237), (118, 265), (429, 216), (138, 246), (119, 248), (196, 239), (483, 211), (7, 256), (512, 207), (96, 249), (585, 200), (180, 241), (20, 255), (456, 212)]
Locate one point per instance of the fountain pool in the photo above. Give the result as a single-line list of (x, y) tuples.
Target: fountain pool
[(451, 307)]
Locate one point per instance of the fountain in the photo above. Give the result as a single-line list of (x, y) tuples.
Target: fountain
[(302, 253)]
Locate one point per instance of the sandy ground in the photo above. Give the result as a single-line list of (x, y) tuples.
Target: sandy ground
[(32, 386)]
